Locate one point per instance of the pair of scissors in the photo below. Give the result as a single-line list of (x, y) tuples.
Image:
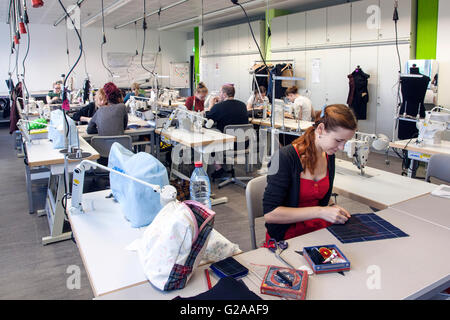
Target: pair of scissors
[(273, 246)]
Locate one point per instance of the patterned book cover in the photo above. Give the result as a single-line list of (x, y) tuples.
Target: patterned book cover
[(274, 285)]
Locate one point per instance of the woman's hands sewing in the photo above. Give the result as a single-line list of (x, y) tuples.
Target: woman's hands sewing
[(335, 214)]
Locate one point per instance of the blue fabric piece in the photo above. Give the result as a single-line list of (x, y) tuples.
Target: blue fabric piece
[(139, 203), (56, 130)]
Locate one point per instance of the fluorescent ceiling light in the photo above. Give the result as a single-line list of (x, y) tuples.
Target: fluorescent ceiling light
[(150, 14), (110, 9), (78, 4), (213, 14)]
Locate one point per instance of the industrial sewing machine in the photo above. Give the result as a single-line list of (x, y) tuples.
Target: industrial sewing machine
[(167, 96), (190, 121), (433, 126), (358, 148)]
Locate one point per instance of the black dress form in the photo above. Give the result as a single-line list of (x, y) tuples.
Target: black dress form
[(413, 93), (358, 95)]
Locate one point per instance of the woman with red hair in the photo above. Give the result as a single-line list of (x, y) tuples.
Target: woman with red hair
[(111, 119), (300, 178)]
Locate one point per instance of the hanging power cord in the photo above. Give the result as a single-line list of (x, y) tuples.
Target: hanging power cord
[(159, 40), (64, 97), (104, 41), (144, 27), (396, 18), (24, 59), (251, 30)]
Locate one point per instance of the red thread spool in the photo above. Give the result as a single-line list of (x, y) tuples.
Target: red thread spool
[(22, 28), (37, 3)]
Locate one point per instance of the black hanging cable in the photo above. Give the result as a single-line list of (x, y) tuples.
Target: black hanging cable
[(159, 40), (144, 26), (64, 97), (104, 41), (136, 32), (251, 30), (24, 59), (67, 44), (202, 42), (396, 18)]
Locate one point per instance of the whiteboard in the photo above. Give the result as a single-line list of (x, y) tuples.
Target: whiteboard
[(126, 67), (179, 75)]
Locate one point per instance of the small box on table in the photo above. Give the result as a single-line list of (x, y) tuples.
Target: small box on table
[(327, 258)]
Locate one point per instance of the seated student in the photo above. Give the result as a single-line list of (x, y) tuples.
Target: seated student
[(256, 100), (300, 179), (87, 112), (225, 110), (197, 101), (111, 119), (134, 92), (54, 97), (302, 106)]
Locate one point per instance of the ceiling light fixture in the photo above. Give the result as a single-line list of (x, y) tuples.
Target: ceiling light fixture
[(108, 10), (78, 4), (212, 14), (150, 14)]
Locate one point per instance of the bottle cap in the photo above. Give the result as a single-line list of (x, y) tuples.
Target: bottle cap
[(198, 164)]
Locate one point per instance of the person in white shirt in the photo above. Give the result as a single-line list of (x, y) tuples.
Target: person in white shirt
[(302, 106), (257, 100)]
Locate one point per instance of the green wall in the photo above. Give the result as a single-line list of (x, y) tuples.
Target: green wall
[(427, 25), (270, 14), (196, 55)]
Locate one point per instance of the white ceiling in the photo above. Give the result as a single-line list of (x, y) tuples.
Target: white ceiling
[(52, 11)]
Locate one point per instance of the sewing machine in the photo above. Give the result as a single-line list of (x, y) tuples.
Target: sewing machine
[(432, 127), (167, 193), (190, 121), (358, 148), (168, 96)]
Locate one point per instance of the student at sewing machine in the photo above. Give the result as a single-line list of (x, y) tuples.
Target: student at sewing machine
[(302, 106), (257, 100), (111, 119), (197, 101), (225, 110), (134, 92), (54, 96), (87, 112), (300, 178)]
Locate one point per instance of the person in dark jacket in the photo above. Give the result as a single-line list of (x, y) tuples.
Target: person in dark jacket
[(300, 178), (87, 112)]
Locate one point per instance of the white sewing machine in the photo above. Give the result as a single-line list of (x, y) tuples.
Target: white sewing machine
[(432, 127), (168, 193), (168, 96), (358, 148), (188, 120)]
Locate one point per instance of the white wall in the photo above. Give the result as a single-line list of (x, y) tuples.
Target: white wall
[(442, 52), (227, 55), (47, 58), (339, 36)]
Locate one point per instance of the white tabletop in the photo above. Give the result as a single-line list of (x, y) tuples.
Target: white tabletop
[(408, 267), (288, 123), (132, 120), (40, 152), (380, 190), (102, 234), (430, 208), (443, 148), (206, 141)]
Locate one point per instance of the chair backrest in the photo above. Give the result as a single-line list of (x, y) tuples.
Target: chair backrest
[(439, 167), (103, 143), (254, 196)]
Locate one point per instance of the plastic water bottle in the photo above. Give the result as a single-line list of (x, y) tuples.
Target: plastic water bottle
[(200, 187)]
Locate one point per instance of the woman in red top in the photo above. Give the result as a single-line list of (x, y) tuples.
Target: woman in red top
[(196, 102), (297, 196)]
